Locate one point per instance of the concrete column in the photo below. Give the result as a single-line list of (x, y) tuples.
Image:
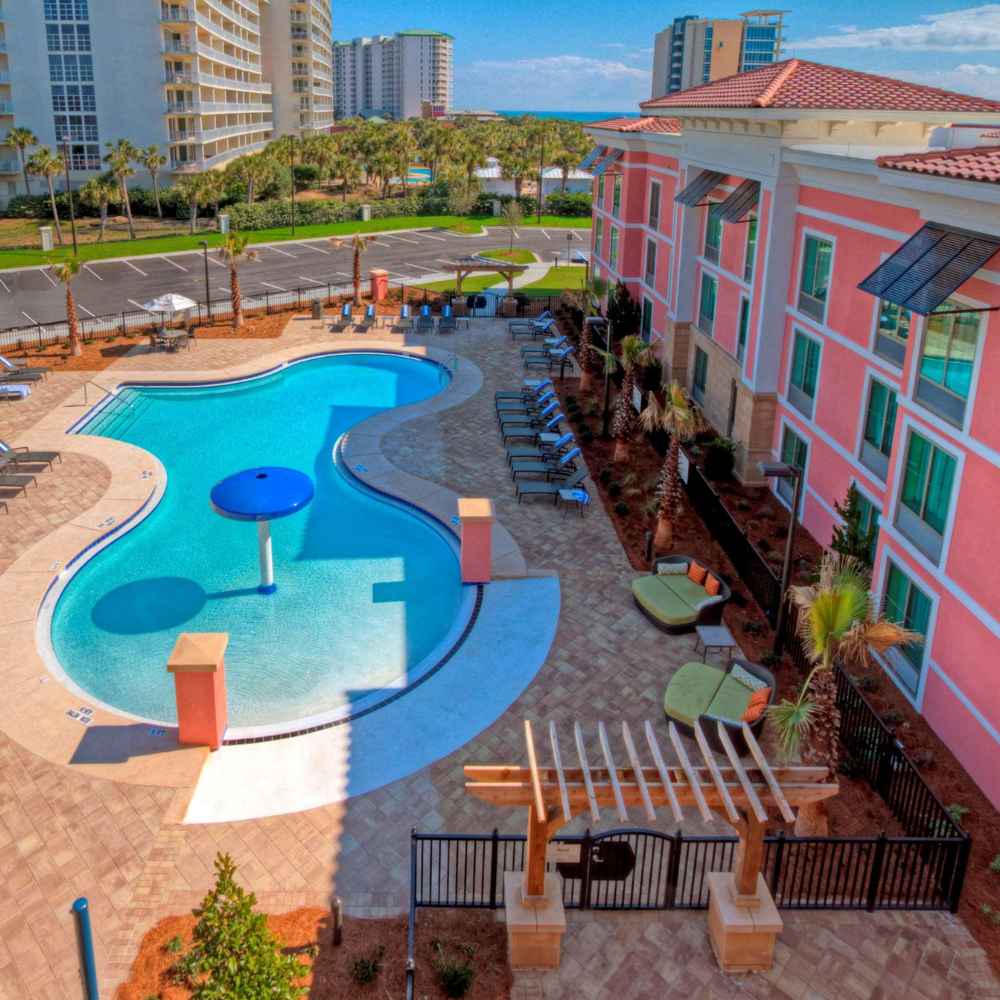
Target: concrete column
[(477, 517), (198, 665)]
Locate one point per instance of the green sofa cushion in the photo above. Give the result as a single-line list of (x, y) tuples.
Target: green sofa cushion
[(685, 588), (691, 690), (661, 602), (731, 700)]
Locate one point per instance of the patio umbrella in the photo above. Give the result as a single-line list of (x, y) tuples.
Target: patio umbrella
[(169, 303)]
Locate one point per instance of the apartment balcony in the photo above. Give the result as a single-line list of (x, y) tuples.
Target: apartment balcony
[(6, 107), (3, 44), (217, 55), (177, 48), (217, 107), (232, 15), (200, 136), (208, 162), (9, 167), (187, 16), (198, 78)]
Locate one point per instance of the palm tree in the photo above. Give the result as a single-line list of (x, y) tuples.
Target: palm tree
[(119, 158), (22, 139), (837, 620), (101, 191), (233, 252), (153, 160), (678, 419), (584, 299), (471, 151), (66, 272), (359, 244), (213, 189), (512, 218), (49, 165), (635, 354), (189, 187)]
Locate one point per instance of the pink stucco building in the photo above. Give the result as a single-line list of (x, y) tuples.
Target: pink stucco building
[(815, 251)]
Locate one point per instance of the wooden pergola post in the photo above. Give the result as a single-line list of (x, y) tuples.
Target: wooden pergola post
[(743, 921)]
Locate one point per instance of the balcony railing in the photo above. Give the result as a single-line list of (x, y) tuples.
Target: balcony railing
[(198, 78), (180, 48), (217, 107), (206, 163), (9, 167), (199, 135)]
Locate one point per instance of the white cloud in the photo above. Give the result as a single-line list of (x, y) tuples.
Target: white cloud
[(966, 78), (974, 29)]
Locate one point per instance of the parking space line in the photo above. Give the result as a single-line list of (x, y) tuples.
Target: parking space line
[(428, 236), (138, 305), (92, 272), (546, 235), (309, 246), (30, 319), (217, 263), (393, 236), (429, 270), (277, 288), (5, 288), (284, 253), (223, 288), (169, 261), (134, 268), (48, 276), (305, 277), (341, 274), (83, 308)]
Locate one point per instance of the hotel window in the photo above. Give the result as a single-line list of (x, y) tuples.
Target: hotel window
[(69, 38), (50, 9), (868, 524), (713, 236), (600, 191), (53, 38), (706, 306), (944, 377), (814, 286), (598, 234), (613, 252), (80, 9), (893, 332), (804, 373), (928, 477), (741, 335), (751, 251), (58, 99), (55, 69), (89, 99), (700, 380), (71, 68), (794, 452), (86, 68), (880, 425), (616, 195), (906, 604), (651, 263), (654, 205), (646, 328), (66, 10)]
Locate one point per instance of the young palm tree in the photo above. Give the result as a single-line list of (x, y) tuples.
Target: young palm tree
[(635, 354), (359, 244), (189, 187), (154, 161), (584, 299), (66, 272), (49, 165), (22, 139), (233, 253), (119, 158), (677, 418), (837, 620), (101, 191)]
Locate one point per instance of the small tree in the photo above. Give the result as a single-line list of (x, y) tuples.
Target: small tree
[(850, 539), (624, 313), (22, 139), (100, 191), (154, 161), (512, 218), (49, 165), (235, 956), (119, 158), (65, 273), (233, 253), (359, 244), (190, 188)]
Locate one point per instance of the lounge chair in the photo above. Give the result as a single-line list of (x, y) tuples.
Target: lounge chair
[(551, 344), (680, 594), (10, 391), (425, 321), (447, 323), (18, 482), (531, 431), (521, 417), (367, 321), (709, 694), (532, 329), (23, 455), (548, 487), (564, 466), (404, 320), (525, 392), (541, 450), (19, 369), (344, 320), (24, 375), (525, 405), (550, 359), (540, 320)]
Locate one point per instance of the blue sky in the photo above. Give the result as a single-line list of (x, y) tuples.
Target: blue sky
[(564, 55)]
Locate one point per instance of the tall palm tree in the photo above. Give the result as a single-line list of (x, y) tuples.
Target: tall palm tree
[(190, 187), (471, 149), (635, 355), (119, 158), (154, 161), (22, 139), (49, 165), (233, 253), (359, 244), (66, 272), (677, 418), (837, 620), (101, 191), (346, 167)]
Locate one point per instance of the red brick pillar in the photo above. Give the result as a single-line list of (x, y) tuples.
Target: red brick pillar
[(379, 284), (198, 666)]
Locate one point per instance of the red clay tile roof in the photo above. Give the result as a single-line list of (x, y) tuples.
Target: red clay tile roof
[(669, 126), (799, 84), (980, 163)]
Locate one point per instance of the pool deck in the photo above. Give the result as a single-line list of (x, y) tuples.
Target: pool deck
[(114, 831)]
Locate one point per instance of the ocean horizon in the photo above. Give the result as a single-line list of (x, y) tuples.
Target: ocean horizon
[(576, 116)]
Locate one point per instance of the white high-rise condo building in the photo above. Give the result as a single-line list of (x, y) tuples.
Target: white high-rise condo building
[(406, 75), (298, 63)]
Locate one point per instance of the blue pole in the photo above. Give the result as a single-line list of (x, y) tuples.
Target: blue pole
[(82, 911)]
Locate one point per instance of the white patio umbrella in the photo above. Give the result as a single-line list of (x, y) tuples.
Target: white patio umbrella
[(169, 303)]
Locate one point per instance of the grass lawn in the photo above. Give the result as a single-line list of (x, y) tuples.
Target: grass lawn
[(556, 280), (173, 244), (516, 256), (474, 283)]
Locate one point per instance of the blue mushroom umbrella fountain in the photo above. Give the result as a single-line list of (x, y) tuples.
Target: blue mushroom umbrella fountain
[(263, 495)]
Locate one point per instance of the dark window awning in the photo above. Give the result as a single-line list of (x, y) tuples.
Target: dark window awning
[(929, 266), (595, 154), (703, 185), (614, 157), (744, 199)]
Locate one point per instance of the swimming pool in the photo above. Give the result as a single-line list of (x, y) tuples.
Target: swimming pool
[(369, 591)]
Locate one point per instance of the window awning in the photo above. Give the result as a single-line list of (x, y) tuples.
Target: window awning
[(614, 157), (699, 188), (929, 266), (595, 154), (744, 199)]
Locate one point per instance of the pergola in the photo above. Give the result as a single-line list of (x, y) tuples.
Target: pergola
[(464, 266), (742, 917)]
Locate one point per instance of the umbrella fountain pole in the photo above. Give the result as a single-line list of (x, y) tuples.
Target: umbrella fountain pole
[(267, 584)]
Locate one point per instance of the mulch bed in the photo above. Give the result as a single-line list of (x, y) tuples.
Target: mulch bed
[(307, 933), (97, 355)]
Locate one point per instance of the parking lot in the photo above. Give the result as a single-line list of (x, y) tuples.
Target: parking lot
[(32, 295)]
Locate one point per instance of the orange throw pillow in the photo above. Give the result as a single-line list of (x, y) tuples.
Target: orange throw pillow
[(697, 573), (760, 697), (711, 585), (753, 712)]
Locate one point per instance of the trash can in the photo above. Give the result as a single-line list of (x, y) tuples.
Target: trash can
[(317, 309), (366, 213), (224, 222), (46, 233)]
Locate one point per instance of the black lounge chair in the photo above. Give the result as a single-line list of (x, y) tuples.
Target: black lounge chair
[(25, 456), (548, 488), (19, 483)]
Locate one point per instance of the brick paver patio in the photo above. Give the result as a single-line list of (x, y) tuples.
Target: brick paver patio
[(63, 834)]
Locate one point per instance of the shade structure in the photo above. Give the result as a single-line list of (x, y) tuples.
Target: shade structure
[(699, 188), (613, 157), (743, 200), (929, 266), (595, 154), (171, 302)]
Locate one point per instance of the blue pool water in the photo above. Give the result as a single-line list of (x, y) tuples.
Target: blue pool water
[(366, 588)]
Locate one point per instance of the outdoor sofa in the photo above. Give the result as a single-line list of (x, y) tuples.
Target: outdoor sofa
[(680, 594)]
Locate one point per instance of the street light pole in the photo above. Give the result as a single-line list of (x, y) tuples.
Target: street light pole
[(291, 166), (208, 287), (782, 470), (69, 195)]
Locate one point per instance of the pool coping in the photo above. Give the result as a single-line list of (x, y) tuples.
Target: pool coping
[(113, 745)]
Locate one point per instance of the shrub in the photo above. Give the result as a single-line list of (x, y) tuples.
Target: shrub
[(579, 203), (957, 812), (174, 945), (605, 476), (621, 508), (365, 970), (586, 435), (235, 956), (306, 173), (719, 458), (455, 973), (614, 490)]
